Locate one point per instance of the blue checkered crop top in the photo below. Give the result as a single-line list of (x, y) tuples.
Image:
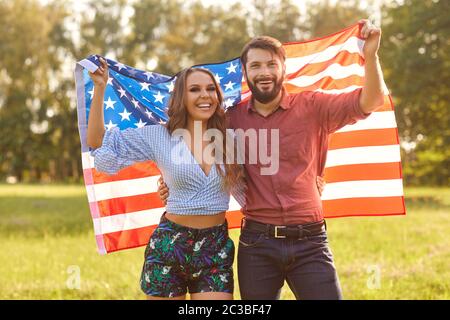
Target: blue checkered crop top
[(191, 191)]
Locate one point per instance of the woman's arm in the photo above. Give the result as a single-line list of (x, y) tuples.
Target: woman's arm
[(115, 149), (96, 125)]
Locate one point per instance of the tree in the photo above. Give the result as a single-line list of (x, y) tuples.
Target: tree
[(281, 20), (416, 54), (325, 19), (190, 33), (27, 62)]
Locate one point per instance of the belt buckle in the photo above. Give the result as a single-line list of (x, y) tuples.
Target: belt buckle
[(276, 232)]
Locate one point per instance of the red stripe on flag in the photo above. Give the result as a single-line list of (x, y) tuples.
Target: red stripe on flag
[(362, 138), (369, 171), (127, 239), (363, 207), (234, 218), (137, 170), (129, 204)]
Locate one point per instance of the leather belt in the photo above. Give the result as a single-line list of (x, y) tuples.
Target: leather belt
[(282, 232)]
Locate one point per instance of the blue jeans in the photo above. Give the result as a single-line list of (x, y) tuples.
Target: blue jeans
[(264, 263)]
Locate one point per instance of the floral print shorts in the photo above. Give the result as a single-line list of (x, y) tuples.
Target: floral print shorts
[(179, 258)]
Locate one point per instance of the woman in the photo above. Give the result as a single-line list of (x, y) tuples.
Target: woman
[(190, 249)]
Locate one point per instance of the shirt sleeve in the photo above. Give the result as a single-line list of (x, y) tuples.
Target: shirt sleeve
[(123, 148), (338, 110)]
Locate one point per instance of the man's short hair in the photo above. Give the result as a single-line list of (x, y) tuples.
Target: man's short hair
[(264, 43)]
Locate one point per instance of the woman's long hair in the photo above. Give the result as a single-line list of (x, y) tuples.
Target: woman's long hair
[(178, 119)]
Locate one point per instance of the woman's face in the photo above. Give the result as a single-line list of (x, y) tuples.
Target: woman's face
[(201, 96)]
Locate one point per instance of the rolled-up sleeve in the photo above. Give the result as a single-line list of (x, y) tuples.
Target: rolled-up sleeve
[(123, 148), (338, 110)]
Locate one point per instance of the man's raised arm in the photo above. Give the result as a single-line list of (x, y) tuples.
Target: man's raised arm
[(372, 95)]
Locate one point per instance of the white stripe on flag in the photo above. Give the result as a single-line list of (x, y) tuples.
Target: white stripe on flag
[(128, 221), (359, 155), (352, 45), (377, 120), (87, 161), (123, 188), (138, 219), (363, 189), (335, 71), (338, 91)]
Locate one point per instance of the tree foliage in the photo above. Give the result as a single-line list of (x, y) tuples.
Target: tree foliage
[(416, 57)]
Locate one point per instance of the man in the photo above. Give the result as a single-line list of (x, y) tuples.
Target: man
[(283, 234)]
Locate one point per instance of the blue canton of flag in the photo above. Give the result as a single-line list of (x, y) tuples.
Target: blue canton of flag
[(136, 98)]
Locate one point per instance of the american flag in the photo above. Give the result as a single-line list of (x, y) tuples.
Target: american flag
[(362, 170)]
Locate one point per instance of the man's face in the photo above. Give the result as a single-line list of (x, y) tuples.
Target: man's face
[(265, 74)]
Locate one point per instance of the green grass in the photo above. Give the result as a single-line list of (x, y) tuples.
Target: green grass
[(46, 230)]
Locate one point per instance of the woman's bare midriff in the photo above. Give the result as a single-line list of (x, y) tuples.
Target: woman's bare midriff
[(197, 222)]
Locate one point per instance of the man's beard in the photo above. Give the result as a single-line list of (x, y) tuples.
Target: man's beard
[(266, 96)]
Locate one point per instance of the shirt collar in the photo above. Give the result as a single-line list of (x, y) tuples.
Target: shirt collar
[(284, 102)]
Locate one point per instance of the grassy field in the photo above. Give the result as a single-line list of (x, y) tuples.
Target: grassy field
[(46, 238)]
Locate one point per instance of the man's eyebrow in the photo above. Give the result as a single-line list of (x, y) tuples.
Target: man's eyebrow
[(258, 62)]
